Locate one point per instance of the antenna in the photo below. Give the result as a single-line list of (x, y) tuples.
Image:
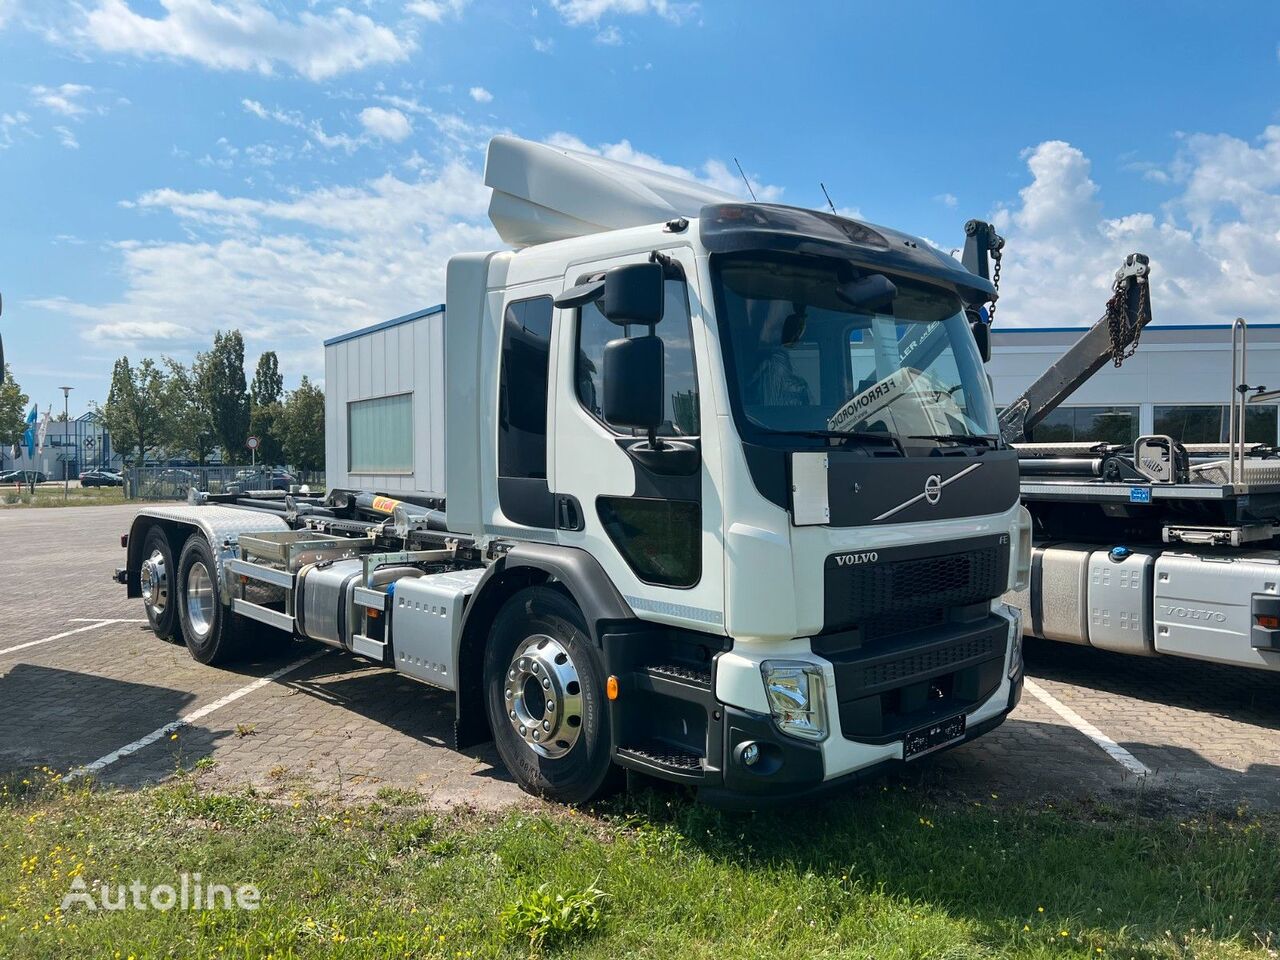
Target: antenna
[(828, 196), (744, 178)]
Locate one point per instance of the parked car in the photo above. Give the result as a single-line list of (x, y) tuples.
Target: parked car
[(23, 476), (262, 478), (101, 478)]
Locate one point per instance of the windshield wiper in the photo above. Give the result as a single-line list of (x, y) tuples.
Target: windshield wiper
[(868, 436), (973, 439)]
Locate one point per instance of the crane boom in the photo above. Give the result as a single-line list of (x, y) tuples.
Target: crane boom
[(1111, 338)]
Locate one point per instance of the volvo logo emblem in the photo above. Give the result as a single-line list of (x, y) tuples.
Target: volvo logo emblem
[(933, 489), (932, 492)]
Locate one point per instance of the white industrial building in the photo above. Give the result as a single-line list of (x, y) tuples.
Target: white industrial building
[(1178, 383), (381, 382)]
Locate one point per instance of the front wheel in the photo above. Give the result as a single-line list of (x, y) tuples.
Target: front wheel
[(544, 691), (212, 632)]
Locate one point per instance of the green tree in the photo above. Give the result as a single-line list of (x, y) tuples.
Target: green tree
[(135, 411), (268, 384), (302, 422), (188, 426), (265, 396), (13, 410), (226, 394)]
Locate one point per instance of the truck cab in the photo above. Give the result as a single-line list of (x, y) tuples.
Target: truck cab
[(707, 490)]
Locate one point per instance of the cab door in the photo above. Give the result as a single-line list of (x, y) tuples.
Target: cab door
[(651, 518)]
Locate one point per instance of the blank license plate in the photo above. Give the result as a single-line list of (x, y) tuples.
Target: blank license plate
[(927, 739)]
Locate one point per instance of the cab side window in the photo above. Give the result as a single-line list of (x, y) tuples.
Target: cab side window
[(679, 379)]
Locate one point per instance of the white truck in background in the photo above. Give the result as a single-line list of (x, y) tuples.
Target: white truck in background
[(1156, 549), (602, 495)]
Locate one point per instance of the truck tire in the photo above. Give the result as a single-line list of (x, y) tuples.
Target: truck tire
[(159, 598), (214, 635), (544, 692)]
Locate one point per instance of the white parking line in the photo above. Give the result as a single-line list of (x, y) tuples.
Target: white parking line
[(66, 633), (188, 719), (1116, 752)]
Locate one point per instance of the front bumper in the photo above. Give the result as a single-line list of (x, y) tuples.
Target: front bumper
[(711, 721)]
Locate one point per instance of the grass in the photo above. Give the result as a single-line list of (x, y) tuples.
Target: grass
[(50, 495), (887, 873)]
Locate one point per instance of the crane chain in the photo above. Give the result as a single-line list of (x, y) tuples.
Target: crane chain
[(1125, 331), (997, 252)]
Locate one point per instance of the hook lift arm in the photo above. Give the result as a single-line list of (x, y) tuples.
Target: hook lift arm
[(1114, 337)]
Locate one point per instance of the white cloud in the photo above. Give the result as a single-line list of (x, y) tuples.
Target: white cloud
[(714, 173), (385, 123), (312, 128), (481, 95), (579, 12), (246, 35), (65, 99), (288, 271), (436, 10), (610, 36), (949, 200), (543, 44), (11, 126), (67, 138), (458, 131), (1212, 243)]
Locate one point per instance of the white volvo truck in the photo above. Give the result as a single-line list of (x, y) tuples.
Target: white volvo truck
[(702, 489)]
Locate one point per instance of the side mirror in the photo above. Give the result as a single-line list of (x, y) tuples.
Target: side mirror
[(982, 337), (633, 383), (634, 294)]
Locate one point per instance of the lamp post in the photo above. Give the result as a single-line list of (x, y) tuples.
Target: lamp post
[(66, 428)]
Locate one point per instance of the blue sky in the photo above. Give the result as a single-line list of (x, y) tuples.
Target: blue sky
[(171, 167)]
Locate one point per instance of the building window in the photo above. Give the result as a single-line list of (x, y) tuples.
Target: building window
[(522, 389), (1088, 425), (1210, 423), (680, 381), (380, 435)]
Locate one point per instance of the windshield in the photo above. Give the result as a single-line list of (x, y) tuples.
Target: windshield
[(816, 346)]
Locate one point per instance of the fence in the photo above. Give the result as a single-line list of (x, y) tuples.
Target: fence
[(173, 483)]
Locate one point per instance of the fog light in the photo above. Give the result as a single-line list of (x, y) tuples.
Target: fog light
[(750, 753), (797, 693)]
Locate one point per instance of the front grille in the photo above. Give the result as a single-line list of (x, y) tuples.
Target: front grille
[(901, 621), (928, 662), (897, 684), (905, 580)]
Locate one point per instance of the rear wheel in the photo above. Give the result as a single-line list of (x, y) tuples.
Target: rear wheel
[(156, 579), (212, 632), (544, 691)]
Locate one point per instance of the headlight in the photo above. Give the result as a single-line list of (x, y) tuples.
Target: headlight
[(797, 693), (1022, 572)]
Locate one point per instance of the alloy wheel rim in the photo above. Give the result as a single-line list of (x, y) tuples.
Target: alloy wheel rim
[(154, 581), (199, 599), (543, 696)]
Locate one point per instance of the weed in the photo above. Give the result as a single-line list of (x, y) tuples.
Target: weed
[(548, 919)]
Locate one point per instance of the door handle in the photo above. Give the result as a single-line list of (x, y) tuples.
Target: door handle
[(568, 513)]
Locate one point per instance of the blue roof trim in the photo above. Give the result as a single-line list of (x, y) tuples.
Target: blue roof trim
[(1000, 331), (385, 325)]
